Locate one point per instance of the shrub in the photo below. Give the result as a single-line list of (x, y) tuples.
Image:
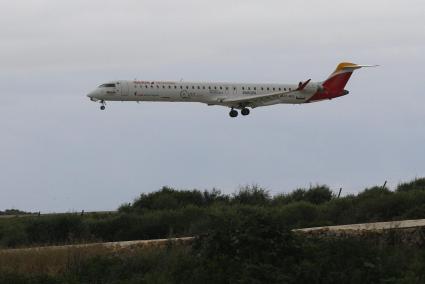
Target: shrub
[(416, 184), (168, 198), (317, 195), (251, 195), (246, 245), (56, 229)]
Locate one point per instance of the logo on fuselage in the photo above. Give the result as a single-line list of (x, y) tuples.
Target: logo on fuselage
[(184, 94)]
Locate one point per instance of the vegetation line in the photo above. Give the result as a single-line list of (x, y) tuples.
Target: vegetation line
[(245, 237)]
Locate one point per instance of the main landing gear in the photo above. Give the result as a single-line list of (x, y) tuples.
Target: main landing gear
[(245, 111), (234, 113)]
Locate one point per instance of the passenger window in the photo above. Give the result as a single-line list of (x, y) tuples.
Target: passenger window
[(255, 88), (268, 89), (203, 87), (273, 89), (221, 88), (243, 88), (193, 87), (227, 88)]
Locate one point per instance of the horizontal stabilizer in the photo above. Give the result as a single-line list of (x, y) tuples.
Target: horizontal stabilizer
[(346, 66), (302, 85)]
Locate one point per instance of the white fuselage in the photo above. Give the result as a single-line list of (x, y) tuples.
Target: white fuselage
[(232, 95), (208, 93)]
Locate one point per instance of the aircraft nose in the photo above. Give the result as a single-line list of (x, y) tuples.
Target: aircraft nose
[(92, 97)]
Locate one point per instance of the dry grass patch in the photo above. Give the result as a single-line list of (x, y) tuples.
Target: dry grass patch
[(59, 259)]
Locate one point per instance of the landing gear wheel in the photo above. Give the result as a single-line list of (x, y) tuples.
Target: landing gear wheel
[(102, 107), (245, 111), (233, 113)]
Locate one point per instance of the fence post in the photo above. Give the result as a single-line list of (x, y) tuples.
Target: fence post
[(385, 183), (339, 193)]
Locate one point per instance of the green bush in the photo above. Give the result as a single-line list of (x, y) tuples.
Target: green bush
[(299, 215), (168, 199), (339, 211), (57, 229), (317, 195), (243, 238), (169, 212), (13, 234), (251, 195), (246, 244), (416, 184)]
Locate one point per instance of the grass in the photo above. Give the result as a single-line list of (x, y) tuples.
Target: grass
[(58, 260), (47, 261)]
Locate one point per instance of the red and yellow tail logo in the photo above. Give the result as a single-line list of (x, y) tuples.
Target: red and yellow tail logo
[(338, 79), (334, 86)]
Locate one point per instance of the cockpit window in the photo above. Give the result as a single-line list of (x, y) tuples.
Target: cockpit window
[(107, 86)]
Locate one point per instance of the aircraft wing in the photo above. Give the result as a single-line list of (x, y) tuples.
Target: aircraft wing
[(253, 101), (258, 100)]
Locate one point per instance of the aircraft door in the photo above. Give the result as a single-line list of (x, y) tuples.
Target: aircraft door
[(122, 89), (118, 89)]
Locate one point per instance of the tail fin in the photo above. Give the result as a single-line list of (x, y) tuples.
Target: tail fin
[(338, 79), (334, 86)]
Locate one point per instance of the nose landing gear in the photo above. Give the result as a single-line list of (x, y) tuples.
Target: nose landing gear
[(103, 106)]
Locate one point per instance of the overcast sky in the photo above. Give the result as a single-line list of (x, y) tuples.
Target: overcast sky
[(59, 152)]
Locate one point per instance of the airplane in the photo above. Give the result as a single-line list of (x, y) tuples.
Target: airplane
[(236, 96)]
